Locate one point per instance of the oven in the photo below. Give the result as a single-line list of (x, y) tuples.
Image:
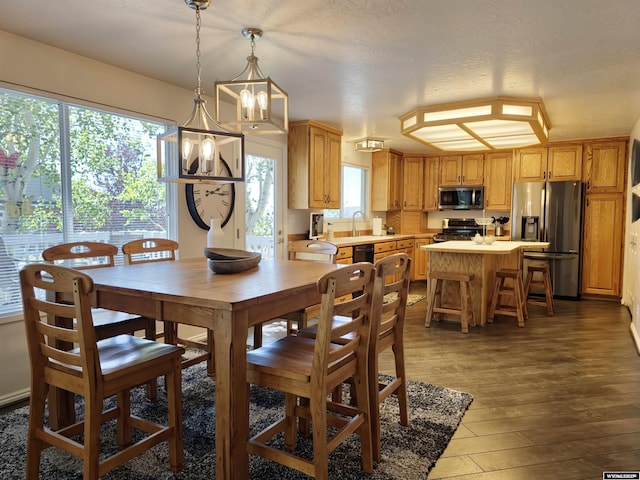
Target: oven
[(458, 229)]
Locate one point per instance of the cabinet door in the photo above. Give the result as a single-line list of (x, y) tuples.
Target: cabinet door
[(412, 183), (605, 167), (473, 169), (421, 257), (333, 171), (450, 170), (431, 178), (317, 154), (395, 187), (530, 165), (565, 163), (602, 244), (497, 175)]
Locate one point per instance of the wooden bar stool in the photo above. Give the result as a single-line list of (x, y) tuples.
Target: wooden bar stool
[(464, 310), (545, 283), (515, 289)]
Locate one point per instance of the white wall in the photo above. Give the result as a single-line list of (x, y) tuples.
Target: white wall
[(631, 283)]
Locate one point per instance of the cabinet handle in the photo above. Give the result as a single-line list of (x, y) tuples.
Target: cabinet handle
[(550, 175)]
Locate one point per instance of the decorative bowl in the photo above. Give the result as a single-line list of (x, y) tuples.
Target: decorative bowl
[(484, 221), (231, 260), (489, 239)]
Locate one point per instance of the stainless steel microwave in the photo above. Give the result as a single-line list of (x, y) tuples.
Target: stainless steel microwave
[(461, 198)]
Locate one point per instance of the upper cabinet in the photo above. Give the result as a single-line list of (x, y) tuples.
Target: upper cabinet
[(314, 165), (497, 181), (431, 183), (386, 185), (605, 166), (412, 188), (461, 169), (555, 164)]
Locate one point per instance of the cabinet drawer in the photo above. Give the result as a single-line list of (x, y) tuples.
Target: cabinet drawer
[(409, 243), (344, 252), (384, 247)]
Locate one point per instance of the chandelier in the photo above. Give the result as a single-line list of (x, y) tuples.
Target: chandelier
[(488, 124), (261, 106), (192, 152)]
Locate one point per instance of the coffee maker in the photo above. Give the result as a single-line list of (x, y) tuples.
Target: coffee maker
[(530, 228)]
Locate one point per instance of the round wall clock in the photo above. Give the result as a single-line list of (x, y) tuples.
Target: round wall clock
[(206, 201)]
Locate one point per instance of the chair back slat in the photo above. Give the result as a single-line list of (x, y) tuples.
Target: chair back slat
[(50, 344), (315, 250), (147, 250), (390, 315), (82, 255)]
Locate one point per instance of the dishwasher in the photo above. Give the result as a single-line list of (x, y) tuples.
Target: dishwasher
[(363, 253)]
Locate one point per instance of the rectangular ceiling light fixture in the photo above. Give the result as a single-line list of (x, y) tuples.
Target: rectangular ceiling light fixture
[(488, 124)]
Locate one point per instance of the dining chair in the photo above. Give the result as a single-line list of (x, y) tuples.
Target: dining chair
[(95, 369), (313, 250), (86, 255), (387, 332), (147, 250), (307, 370)]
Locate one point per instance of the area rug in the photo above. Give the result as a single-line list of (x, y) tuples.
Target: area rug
[(407, 452)]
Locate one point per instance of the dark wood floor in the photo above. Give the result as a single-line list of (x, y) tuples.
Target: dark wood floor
[(559, 398)]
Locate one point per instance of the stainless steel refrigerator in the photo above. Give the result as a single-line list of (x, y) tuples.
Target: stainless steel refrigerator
[(551, 212)]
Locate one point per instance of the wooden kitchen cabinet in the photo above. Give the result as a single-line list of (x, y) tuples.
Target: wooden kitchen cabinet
[(386, 184), (602, 250), (412, 190), (462, 169), (431, 183), (383, 249), (497, 181), (420, 259), (605, 166), (314, 165), (345, 255), (555, 163)]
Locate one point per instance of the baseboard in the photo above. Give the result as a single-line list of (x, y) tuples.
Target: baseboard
[(14, 397), (635, 336)]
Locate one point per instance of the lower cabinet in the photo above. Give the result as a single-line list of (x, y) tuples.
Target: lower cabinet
[(602, 250), (420, 259), (345, 255)]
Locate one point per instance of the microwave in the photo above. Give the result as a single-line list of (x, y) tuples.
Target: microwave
[(461, 198)]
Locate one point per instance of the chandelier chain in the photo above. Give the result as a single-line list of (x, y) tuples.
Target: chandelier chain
[(198, 64)]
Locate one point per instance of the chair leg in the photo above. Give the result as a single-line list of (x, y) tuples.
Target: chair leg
[(464, 318), (401, 392), (91, 451), (174, 400), (433, 288), (35, 446), (211, 361), (518, 292), (365, 431), (548, 292), (123, 428), (318, 408), (497, 287)]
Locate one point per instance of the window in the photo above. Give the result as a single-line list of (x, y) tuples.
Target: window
[(354, 193), (70, 173)]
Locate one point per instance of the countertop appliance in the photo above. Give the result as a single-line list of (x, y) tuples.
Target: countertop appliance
[(461, 198), (458, 229), (551, 212)]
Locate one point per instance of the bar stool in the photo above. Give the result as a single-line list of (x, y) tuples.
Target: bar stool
[(544, 283), (464, 310), (515, 289)]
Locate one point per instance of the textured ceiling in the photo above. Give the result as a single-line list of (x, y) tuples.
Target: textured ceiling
[(360, 64)]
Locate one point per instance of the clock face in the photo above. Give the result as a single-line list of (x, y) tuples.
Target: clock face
[(206, 201)]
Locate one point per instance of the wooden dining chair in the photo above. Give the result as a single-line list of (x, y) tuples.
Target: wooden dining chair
[(147, 250), (387, 326), (95, 369), (313, 250), (87, 255), (307, 370)]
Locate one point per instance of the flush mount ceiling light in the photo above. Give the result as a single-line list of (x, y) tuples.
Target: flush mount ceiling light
[(369, 145), (261, 106), (492, 123), (192, 153)]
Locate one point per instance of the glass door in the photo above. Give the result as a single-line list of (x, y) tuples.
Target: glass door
[(264, 197)]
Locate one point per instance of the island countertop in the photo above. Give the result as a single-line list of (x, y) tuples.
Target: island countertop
[(496, 248)]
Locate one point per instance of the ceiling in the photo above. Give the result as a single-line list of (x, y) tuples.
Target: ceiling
[(360, 64)]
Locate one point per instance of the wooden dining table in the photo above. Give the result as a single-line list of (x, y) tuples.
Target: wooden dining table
[(186, 291)]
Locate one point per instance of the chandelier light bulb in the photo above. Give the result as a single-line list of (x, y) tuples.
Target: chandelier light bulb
[(263, 102), (187, 146), (246, 97), (207, 152)]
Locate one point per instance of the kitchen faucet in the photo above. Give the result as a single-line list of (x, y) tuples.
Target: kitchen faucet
[(354, 233)]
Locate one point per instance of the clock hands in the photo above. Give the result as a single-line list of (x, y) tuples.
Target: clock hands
[(217, 191)]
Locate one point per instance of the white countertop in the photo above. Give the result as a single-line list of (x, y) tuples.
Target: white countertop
[(469, 246), (340, 241)]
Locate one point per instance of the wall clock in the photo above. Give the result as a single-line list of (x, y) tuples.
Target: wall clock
[(206, 201)]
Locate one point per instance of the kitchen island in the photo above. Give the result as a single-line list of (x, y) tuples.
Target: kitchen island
[(480, 260)]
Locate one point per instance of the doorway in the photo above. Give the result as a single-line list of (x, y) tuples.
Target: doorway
[(264, 198)]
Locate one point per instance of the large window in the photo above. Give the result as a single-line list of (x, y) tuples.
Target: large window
[(354, 193), (70, 173)]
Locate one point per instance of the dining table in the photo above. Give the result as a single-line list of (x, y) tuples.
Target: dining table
[(188, 292)]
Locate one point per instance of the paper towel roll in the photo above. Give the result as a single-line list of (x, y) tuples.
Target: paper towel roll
[(377, 226)]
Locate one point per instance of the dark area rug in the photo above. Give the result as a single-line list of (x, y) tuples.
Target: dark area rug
[(408, 452)]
